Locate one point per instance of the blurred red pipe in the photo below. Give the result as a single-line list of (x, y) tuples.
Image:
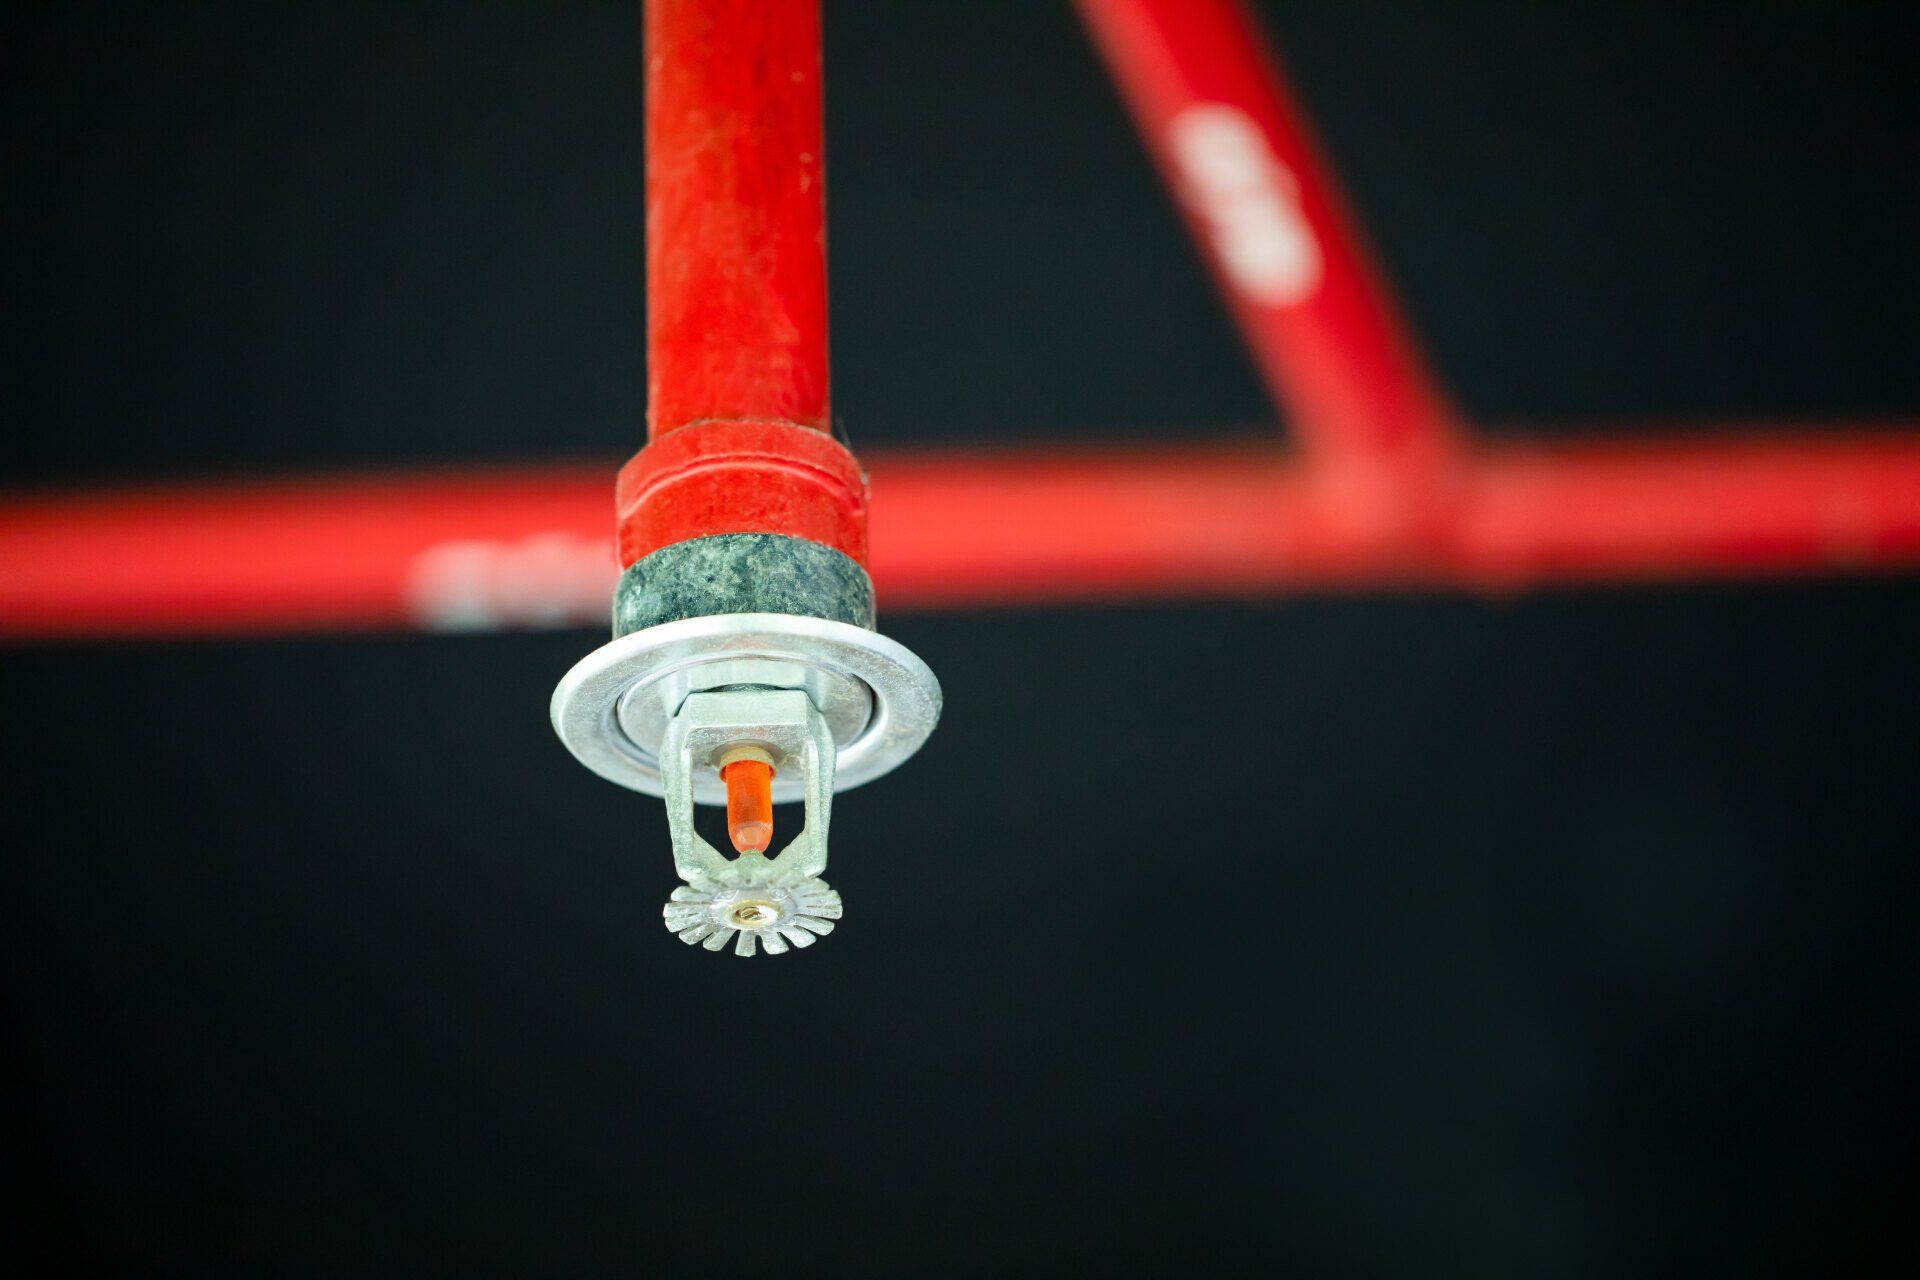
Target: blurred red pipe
[(1231, 142), (532, 548)]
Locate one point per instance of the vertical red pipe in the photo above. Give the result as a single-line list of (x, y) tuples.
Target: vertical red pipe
[(736, 225), (737, 405), (1234, 146)]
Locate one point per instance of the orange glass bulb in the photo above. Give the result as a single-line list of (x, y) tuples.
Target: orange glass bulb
[(749, 804)]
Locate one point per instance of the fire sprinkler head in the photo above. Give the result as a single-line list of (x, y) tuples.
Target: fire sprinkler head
[(743, 710)]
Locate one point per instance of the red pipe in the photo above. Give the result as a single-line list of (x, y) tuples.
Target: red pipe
[(337, 554), (529, 548), (737, 403), (1245, 522), (736, 222), (1615, 510), (1231, 142)]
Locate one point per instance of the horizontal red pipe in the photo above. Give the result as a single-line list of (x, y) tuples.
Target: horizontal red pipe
[(1233, 144), (1615, 510), (1247, 522), (533, 548), (336, 554)]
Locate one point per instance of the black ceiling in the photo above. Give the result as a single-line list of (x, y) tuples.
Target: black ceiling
[(1582, 941)]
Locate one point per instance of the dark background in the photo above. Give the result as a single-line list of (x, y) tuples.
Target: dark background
[(1577, 935)]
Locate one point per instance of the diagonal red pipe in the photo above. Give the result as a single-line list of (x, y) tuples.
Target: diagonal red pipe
[(1213, 106)]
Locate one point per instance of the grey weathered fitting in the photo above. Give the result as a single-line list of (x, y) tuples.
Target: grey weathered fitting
[(742, 573)]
